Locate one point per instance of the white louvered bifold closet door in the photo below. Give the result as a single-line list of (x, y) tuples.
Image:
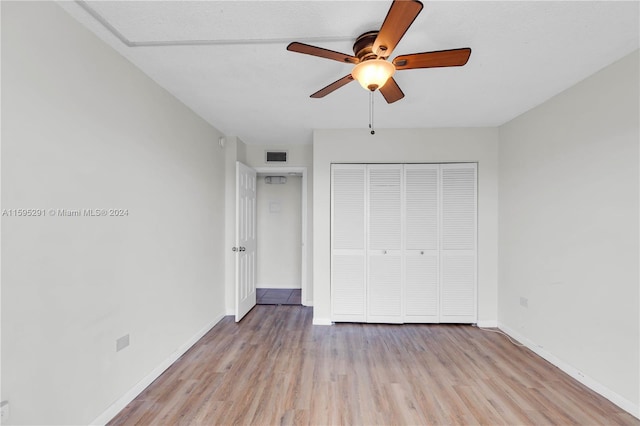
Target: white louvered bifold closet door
[(421, 252), (348, 261), (458, 243), (384, 289), (404, 243)]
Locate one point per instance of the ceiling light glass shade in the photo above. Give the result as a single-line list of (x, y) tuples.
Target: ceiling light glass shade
[(373, 74)]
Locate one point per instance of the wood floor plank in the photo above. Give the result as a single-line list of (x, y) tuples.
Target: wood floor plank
[(275, 367)]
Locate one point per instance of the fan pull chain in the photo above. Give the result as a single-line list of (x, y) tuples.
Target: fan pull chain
[(373, 132)]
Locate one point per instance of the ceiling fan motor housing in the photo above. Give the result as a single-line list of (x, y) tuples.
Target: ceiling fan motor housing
[(363, 47)]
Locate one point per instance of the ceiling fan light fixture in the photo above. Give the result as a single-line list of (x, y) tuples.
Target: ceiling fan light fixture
[(372, 74)]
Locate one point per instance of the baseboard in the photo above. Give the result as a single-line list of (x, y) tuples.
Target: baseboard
[(594, 385), (308, 303), (487, 324), (322, 321), (129, 396)]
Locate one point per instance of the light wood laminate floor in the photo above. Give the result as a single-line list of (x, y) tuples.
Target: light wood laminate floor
[(276, 368)]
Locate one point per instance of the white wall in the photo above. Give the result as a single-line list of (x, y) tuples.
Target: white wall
[(409, 146), (83, 128), (569, 229), (279, 217)]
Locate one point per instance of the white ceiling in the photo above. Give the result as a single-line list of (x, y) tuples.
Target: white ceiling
[(227, 60)]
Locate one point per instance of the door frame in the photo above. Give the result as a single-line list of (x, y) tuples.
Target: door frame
[(303, 234)]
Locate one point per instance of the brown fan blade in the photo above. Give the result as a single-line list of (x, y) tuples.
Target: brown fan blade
[(333, 86), (401, 15), (442, 58), (307, 49), (391, 91)]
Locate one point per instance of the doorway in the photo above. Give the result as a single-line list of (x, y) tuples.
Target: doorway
[(281, 212)]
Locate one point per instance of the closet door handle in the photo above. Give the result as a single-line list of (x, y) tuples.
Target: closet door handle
[(384, 252)]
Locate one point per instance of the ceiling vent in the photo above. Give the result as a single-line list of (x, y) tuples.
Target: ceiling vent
[(275, 157)]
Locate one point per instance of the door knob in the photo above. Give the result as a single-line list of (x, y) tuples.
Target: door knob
[(234, 248), (243, 248)]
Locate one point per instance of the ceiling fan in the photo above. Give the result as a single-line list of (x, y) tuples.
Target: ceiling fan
[(371, 50)]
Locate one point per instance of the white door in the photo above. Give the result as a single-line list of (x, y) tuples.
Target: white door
[(384, 260), (421, 253), (458, 243), (245, 239), (348, 271)]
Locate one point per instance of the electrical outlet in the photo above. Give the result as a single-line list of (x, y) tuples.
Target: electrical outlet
[(4, 411), (122, 343), (524, 302)]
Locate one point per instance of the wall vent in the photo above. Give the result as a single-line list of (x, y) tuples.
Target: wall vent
[(275, 156)]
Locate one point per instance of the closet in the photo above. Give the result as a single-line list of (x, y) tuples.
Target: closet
[(403, 243)]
